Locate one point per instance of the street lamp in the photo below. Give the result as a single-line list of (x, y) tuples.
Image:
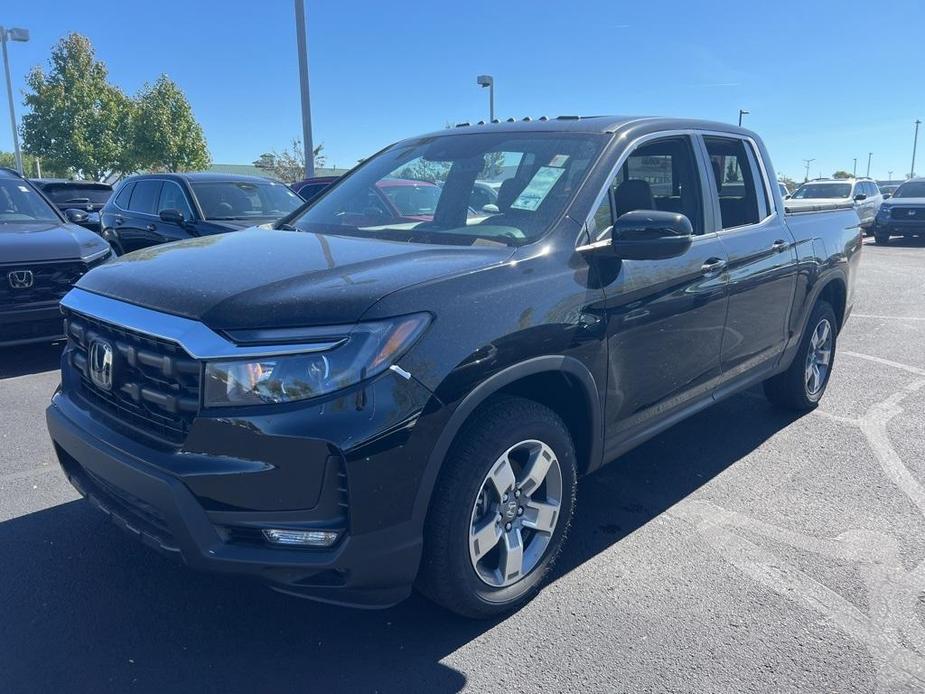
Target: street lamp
[(488, 81), (302, 48), (742, 112), (21, 35), (890, 175), (869, 155), (854, 171), (915, 143)]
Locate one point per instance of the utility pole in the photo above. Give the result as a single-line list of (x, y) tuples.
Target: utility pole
[(14, 34), (301, 43), (807, 162), (915, 143), (854, 171), (742, 112), (890, 173), (869, 155)]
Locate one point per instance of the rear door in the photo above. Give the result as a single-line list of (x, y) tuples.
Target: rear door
[(761, 252), (664, 318), (137, 225)]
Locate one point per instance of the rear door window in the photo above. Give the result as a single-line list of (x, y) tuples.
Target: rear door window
[(124, 195), (144, 197), (741, 196)]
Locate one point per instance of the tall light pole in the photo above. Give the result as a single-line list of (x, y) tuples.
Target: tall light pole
[(915, 143), (301, 43), (890, 175), (854, 171), (14, 34), (488, 81), (807, 162), (742, 112), (869, 155)]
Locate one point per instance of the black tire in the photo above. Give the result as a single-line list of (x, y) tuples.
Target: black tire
[(790, 389), (881, 239), (447, 574)]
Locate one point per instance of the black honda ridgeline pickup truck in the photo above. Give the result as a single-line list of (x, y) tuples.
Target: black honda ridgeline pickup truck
[(355, 403)]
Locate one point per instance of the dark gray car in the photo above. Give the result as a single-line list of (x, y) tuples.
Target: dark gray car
[(42, 255)]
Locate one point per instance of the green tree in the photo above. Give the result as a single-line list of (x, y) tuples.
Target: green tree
[(77, 121), (164, 133), (842, 174), (493, 166)]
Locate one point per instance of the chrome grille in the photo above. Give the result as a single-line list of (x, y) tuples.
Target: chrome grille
[(155, 383), (49, 283)]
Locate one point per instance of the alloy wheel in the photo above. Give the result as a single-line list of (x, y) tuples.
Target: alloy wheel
[(515, 513), (818, 357)]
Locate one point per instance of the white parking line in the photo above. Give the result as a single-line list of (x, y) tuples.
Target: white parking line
[(886, 362), (870, 315)]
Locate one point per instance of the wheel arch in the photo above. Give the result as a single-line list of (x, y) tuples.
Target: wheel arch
[(528, 379)]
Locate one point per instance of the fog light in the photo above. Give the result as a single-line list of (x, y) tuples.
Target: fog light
[(303, 538)]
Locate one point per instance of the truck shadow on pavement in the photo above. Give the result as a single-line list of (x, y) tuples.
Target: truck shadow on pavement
[(86, 609), (29, 359)]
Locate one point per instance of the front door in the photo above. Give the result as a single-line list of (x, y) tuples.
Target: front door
[(664, 317)]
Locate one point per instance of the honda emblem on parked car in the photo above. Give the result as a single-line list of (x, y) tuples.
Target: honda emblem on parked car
[(21, 279), (100, 364)]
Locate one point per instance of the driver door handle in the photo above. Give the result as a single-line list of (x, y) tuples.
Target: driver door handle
[(151, 227), (712, 265), (780, 245)]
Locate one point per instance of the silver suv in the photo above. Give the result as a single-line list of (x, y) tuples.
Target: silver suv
[(863, 192)]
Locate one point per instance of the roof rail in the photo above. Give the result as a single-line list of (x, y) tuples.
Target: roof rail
[(464, 124), (568, 117)]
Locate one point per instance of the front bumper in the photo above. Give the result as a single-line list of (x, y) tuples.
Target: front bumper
[(189, 505), (25, 326), (899, 228)]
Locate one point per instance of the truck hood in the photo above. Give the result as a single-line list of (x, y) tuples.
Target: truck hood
[(260, 278), (33, 242), (904, 202)]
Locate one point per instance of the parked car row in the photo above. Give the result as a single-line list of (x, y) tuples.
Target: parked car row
[(400, 383), (862, 193)]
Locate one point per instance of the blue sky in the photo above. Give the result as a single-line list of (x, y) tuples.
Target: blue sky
[(829, 80)]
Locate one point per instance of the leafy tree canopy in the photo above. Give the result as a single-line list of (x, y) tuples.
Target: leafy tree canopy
[(165, 134)]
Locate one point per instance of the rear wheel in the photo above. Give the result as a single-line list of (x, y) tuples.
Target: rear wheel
[(500, 510), (881, 239), (802, 385)]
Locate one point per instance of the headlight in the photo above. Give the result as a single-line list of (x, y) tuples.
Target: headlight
[(97, 257), (366, 350), (883, 212)]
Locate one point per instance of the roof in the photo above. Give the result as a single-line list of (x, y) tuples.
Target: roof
[(590, 125), (196, 176), (9, 173), (251, 170), (67, 181)]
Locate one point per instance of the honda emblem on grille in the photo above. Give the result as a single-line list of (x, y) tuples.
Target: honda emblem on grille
[(100, 364), (912, 213), (21, 279)]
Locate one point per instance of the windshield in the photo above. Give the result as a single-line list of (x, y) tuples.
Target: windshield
[(242, 200), (823, 191), (63, 193), (20, 203), (912, 189), (498, 187)]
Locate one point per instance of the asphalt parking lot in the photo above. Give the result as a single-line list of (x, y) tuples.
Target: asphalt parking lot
[(743, 550)]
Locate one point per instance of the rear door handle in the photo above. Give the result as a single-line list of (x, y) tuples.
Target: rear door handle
[(780, 245), (119, 219), (151, 227), (712, 265)]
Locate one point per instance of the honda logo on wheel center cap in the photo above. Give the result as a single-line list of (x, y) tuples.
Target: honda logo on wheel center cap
[(100, 364)]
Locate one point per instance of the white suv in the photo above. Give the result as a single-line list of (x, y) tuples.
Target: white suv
[(863, 192)]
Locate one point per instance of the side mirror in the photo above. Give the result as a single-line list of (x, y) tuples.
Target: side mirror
[(887, 196), (491, 208), (76, 216), (650, 235), (172, 216), (859, 197), (788, 196)]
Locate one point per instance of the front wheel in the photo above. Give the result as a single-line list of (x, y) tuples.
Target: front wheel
[(881, 239), (802, 385), (500, 510)]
